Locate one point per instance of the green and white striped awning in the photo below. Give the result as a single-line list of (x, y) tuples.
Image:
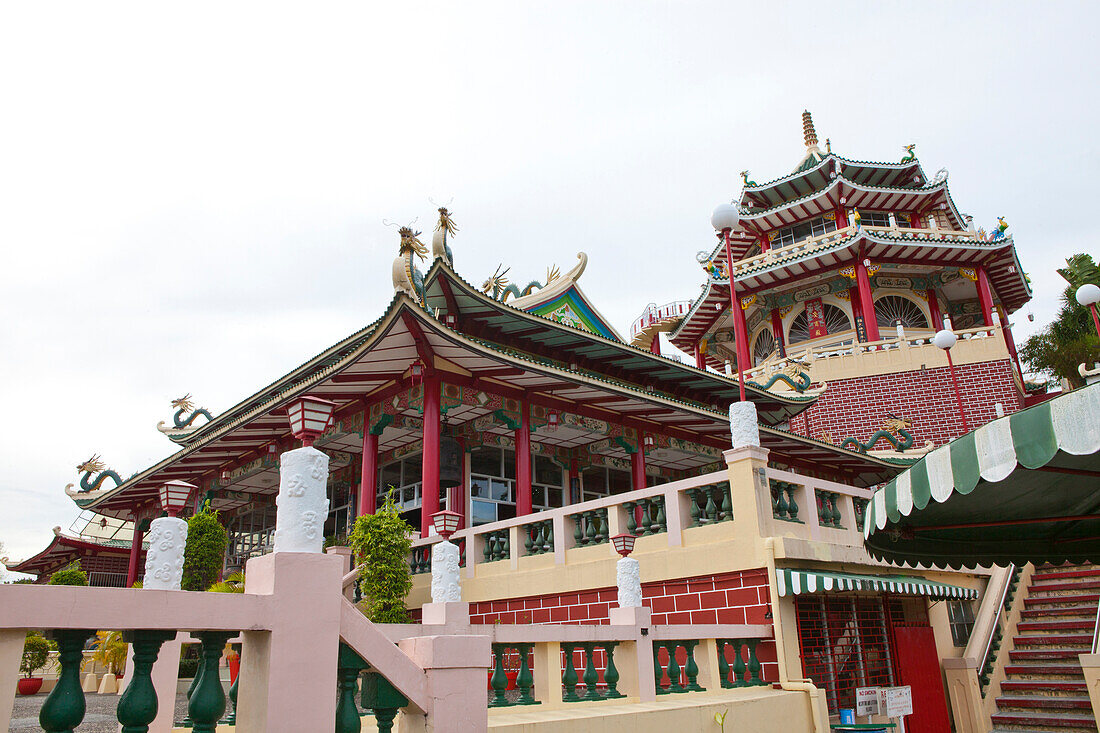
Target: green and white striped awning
[(793, 582), (1022, 488)]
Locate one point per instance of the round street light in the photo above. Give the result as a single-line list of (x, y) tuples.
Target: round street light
[(1088, 295), (945, 340)]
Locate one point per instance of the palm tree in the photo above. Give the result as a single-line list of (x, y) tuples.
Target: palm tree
[(1071, 338)]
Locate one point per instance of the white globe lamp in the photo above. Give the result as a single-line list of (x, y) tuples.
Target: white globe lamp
[(1088, 294), (945, 339), (725, 216)]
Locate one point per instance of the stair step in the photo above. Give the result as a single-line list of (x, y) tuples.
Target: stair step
[(1023, 655), (1076, 599), (1049, 668), (1068, 573), (1066, 585), (1045, 720), (1087, 613), (1046, 703), (1084, 624), (1053, 639), (1042, 686)]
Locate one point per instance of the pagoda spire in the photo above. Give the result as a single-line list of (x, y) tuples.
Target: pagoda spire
[(808, 131)]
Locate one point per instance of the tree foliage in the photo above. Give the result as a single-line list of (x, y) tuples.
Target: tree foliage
[(381, 543), (204, 553), (110, 650), (71, 575), (36, 652), (1071, 338)]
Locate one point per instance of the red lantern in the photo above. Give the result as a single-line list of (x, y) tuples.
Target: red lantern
[(174, 495), (624, 543), (446, 523), (309, 417), (552, 419)]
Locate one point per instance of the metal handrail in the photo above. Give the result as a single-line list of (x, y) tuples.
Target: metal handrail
[(997, 619), (1096, 631)]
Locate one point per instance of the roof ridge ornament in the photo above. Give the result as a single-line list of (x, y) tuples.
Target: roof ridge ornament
[(406, 277), (808, 132), (910, 156), (88, 485), (443, 229), (184, 426)]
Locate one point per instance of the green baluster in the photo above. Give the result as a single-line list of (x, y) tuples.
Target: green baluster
[(578, 534), (525, 680), (738, 664), (723, 665), (348, 666), (754, 663), (658, 670), (601, 526), (631, 522), (591, 676), (711, 510), (505, 544), (776, 497), (207, 704), (792, 506), (487, 553), (660, 524), (694, 496), (691, 669), (187, 722), (138, 705), (499, 680), (64, 708), (834, 498), (569, 675), (782, 505), (382, 699), (727, 502), (232, 719), (611, 673), (549, 546), (673, 670), (528, 537), (592, 528)]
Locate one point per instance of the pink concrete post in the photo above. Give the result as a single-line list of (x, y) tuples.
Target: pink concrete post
[(455, 666), (11, 652)]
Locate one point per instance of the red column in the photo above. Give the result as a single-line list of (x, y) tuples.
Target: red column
[(700, 358), (841, 217), (985, 296), (573, 476), (637, 465), (777, 331), (765, 243), (866, 301), (459, 492), (368, 484), (523, 462), (934, 309), (135, 554), (429, 466), (655, 345)]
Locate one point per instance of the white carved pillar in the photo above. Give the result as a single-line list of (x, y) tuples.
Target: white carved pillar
[(164, 558), (628, 575), (302, 501), (445, 560), (744, 428)]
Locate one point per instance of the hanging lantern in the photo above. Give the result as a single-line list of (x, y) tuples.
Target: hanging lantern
[(450, 461), (649, 442), (174, 495), (309, 417), (552, 419), (417, 369)]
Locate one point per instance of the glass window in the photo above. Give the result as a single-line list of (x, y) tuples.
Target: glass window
[(960, 615), (618, 481), (479, 487), (483, 512), (390, 476), (485, 461), (509, 464), (411, 470), (798, 232), (594, 482), (874, 218), (547, 472)]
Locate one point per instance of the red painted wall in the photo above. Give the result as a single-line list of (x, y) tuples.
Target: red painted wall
[(856, 407)]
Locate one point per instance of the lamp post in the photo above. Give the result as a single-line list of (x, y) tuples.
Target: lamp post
[(303, 480), (724, 218), (1088, 295), (445, 559), (167, 538), (945, 340), (309, 418), (628, 574)]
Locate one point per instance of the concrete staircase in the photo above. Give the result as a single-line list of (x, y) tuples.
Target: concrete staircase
[(1044, 688)]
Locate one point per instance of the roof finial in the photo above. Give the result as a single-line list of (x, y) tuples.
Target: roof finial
[(808, 129)]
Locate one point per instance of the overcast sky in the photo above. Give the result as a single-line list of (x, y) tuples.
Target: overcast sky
[(192, 197)]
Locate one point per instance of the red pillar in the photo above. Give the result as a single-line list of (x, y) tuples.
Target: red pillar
[(841, 217), (573, 477), (429, 466), (765, 243), (985, 296), (700, 358), (368, 484), (777, 331), (459, 492), (866, 301), (637, 465), (135, 554), (523, 462), (655, 344), (934, 309)]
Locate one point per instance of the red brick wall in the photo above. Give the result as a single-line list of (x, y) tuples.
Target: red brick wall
[(856, 407), (729, 598)]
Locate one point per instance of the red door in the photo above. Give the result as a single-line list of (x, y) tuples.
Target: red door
[(918, 666)]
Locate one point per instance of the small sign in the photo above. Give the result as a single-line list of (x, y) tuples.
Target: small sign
[(867, 701), (895, 702)]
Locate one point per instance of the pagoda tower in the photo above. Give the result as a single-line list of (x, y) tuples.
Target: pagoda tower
[(845, 269)]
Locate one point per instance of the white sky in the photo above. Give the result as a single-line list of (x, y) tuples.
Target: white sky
[(191, 197)]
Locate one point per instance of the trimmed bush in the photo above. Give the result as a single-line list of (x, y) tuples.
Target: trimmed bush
[(381, 543), (36, 652), (204, 553), (71, 575)]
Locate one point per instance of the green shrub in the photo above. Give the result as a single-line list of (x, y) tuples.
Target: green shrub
[(381, 543), (204, 553), (36, 652), (188, 668), (71, 575)]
